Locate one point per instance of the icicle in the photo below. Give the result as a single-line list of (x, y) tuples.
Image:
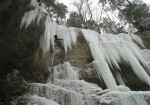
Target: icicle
[(45, 39), (102, 69), (32, 15), (69, 36), (112, 48), (131, 38), (100, 64), (136, 53), (110, 53), (40, 16), (24, 18), (136, 66), (48, 38), (29, 17), (119, 78)]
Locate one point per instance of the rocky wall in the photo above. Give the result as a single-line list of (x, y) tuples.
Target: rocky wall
[(19, 49)]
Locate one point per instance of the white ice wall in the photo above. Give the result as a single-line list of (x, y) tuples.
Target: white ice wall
[(108, 50)]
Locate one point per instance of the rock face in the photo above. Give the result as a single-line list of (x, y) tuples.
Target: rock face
[(146, 40), (20, 47), (19, 50), (132, 80), (80, 54)]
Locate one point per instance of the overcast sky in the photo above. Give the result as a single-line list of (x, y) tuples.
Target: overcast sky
[(72, 8), (68, 3), (147, 1)]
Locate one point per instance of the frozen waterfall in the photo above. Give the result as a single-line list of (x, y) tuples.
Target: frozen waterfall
[(108, 52), (67, 89)]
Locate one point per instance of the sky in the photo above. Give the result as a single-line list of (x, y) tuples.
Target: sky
[(71, 8), (147, 1), (68, 3)]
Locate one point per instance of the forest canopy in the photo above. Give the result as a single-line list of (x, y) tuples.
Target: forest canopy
[(103, 16), (110, 16)]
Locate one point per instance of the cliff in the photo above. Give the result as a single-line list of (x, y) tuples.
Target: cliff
[(22, 60), (19, 50)]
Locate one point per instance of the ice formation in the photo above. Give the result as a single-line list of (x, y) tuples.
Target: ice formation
[(69, 36), (33, 15), (32, 100), (66, 89), (108, 51), (132, 97)]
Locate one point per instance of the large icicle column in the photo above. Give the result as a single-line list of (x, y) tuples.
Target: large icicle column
[(100, 64), (109, 50)]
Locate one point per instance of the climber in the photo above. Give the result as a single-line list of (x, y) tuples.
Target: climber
[(56, 39)]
